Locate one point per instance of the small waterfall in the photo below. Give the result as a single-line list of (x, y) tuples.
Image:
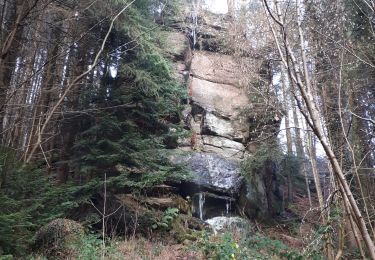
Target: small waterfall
[(201, 204), (194, 23), (227, 205)]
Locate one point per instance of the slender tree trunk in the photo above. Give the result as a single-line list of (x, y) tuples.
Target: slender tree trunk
[(300, 148), (312, 153), (288, 133), (70, 123), (286, 109), (312, 116)]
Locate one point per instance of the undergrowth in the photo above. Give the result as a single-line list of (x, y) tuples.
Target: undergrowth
[(228, 246)]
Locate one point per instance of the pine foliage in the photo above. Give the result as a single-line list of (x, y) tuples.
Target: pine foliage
[(139, 107), (123, 125)]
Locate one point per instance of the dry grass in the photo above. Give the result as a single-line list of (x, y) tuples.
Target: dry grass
[(141, 248), (297, 228)]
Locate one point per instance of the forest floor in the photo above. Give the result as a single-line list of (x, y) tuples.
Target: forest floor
[(285, 237), (292, 235)]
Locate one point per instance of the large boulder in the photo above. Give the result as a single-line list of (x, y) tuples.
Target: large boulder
[(223, 115), (212, 171), (217, 126), (253, 198), (223, 224)]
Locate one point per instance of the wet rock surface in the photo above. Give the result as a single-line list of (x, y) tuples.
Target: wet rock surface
[(213, 172)]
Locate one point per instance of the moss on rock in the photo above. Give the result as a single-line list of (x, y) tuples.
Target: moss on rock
[(59, 239)]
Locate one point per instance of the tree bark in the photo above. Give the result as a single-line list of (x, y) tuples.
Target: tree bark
[(287, 132)]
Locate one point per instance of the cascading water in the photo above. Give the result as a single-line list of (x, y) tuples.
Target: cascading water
[(217, 182), (194, 23), (201, 204), (206, 205)]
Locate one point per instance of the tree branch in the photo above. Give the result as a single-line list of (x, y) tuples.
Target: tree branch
[(75, 81)]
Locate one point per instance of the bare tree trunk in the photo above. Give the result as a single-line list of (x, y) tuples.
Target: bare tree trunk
[(300, 148), (309, 110), (288, 133), (286, 116), (70, 124), (312, 153), (355, 148), (353, 230)]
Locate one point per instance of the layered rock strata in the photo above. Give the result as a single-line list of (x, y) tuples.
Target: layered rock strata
[(220, 117)]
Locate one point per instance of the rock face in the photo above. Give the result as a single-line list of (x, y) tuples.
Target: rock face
[(218, 122), (260, 196), (223, 146), (226, 100), (217, 68), (214, 172), (220, 116)]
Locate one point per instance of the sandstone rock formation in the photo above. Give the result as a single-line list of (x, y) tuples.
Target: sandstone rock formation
[(222, 119)]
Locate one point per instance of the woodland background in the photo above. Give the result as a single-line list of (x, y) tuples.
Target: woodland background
[(88, 96)]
